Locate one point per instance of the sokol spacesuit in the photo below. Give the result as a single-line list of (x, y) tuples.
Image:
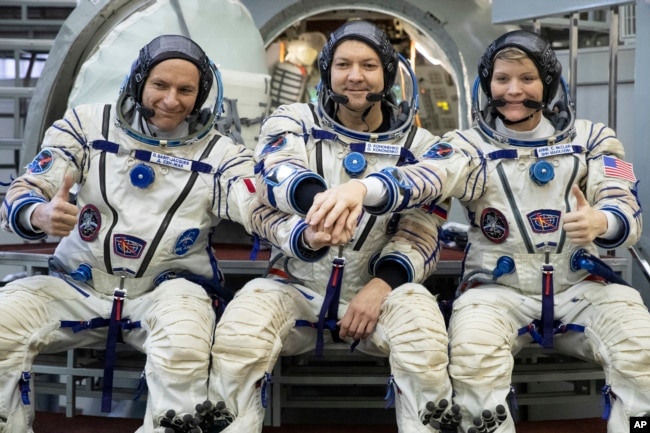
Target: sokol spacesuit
[(303, 149), (138, 266), (526, 274)]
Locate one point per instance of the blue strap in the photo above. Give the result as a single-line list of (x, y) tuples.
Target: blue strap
[(265, 381), (547, 306), (558, 328), (23, 385), (391, 391), (158, 158), (329, 309), (111, 345), (607, 402), (502, 154), (320, 134), (97, 322), (545, 151), (512, 400), (142, 386)]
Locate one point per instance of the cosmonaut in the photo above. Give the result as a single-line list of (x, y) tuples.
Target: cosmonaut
[(364, 292), (135, 263), (542, 191)]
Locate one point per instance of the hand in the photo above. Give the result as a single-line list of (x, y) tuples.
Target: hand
[(363, 312), (57, 217), (584, 224), (339, 206), (318, 237)]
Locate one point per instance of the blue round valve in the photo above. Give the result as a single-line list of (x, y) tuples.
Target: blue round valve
[(580, 260), (142, 176), (505, 265), (354, 164), (542, 172), (83, 273)]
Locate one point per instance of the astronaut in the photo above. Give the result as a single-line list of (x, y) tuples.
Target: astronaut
[(361, 289), (542, 191), (135, 263)]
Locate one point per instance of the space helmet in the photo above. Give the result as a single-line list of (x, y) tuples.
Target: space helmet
[(400, 86), (162, 48), (556, 103)]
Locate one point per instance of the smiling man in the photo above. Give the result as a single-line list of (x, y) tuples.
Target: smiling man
[(135, 262), (362, 289)]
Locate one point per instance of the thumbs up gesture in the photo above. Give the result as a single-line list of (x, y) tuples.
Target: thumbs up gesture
[(57, 217), (584, 224)]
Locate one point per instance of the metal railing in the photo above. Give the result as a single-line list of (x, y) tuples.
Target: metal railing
[(27, 32)]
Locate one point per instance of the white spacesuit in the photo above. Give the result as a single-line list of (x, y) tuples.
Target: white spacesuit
[(296, 309), (523, 276), (139, 266)]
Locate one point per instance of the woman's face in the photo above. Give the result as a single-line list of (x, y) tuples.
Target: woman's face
[(515, 81)]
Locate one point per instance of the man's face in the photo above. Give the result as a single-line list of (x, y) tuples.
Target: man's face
[(170, 91), (514, 81), (356, 71)]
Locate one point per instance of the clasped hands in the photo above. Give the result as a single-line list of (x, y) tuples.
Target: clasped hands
[(334, 214)]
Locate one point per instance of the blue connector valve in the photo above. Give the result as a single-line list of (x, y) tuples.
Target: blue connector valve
[(580, 260), (541, 172), (142, 176), (505, 265), (83, 273), (354, 164), (586, 264)]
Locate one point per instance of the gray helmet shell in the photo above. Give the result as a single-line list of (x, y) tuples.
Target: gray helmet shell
[(537, 49), (365, 32), (166, 47)]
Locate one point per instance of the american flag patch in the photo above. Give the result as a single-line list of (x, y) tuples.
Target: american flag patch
[(614, 167)]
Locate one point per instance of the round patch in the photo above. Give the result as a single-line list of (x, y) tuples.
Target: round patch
[(494, 225), (440, 150), (42, 163), (90, 221)]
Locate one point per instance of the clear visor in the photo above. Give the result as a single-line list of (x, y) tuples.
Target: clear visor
[(560, 112), (405, 87), (403, 100), (199, 123)]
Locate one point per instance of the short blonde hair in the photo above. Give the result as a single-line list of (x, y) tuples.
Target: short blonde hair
[(511, 53)]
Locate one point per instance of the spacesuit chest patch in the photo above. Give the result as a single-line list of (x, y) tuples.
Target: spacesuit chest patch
[(90, 221), (42, 163), (544, 220), (439, 151), (185, 241), (494, 225), (128, 246), (274, 145)]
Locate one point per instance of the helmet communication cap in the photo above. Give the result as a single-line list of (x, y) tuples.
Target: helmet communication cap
[(166, 47), (371, 35), (537, 49)]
